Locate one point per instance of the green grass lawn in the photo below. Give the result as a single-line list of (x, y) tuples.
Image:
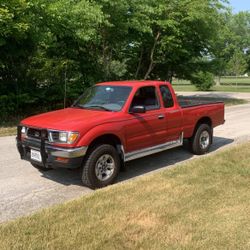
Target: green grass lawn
[(5, 131), (234, 80), (245, 89), (201, 204), (222, 88), (8, 128), (228, 85), (223, 80)]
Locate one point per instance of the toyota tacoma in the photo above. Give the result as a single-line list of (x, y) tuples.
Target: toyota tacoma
[(113, 123)]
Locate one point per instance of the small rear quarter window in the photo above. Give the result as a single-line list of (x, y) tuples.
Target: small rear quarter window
[(166, 96)]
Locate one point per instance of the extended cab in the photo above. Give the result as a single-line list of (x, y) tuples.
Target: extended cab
[(115, 122)]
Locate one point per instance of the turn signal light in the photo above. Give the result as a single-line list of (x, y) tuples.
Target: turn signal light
[(72, 137), (61, 159)]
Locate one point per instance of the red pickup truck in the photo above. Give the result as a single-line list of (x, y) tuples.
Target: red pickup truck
[(115, 122)]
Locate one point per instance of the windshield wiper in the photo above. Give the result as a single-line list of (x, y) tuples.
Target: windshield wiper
[(77, 106), (96, 106)]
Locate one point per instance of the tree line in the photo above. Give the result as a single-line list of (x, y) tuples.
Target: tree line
[(52, 47)]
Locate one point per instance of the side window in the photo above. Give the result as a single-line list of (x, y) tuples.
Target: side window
[(166, 96), (147, 97)]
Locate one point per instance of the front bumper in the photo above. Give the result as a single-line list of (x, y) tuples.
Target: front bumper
[(52, 157)]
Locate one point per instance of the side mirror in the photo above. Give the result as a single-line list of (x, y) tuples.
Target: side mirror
[(138, 110)]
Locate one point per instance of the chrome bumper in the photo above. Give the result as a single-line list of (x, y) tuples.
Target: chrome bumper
[(66, 153)]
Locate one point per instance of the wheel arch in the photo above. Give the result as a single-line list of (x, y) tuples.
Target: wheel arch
[(204, 120), (110, 139)]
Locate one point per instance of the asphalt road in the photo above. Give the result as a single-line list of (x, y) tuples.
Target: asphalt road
[(24, 189)]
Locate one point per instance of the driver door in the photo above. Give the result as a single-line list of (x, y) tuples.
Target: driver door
[(147, 129)]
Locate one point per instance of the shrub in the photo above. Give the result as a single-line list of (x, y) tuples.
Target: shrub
[(203, 80)]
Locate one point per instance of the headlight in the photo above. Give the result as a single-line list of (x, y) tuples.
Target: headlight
[(62, 137), (23, 130)]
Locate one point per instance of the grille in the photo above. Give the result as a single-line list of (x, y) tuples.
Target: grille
[(36, 133)]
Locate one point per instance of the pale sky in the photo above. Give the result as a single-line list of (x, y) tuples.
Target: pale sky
[(239, 5)]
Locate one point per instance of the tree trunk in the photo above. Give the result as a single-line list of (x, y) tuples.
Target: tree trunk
[(152, 64), (218, 80), (106, 60), (170, 76), (139, 64), (171, 79)]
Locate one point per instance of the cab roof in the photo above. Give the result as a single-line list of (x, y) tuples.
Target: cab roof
[(138, 83)]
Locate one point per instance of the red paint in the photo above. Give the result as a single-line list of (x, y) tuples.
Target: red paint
[(135, 131)]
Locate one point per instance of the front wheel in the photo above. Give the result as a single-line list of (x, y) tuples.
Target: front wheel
[(202, 139), (101, 166)]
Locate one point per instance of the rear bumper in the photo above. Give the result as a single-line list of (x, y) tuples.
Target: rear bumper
[(52, 157)]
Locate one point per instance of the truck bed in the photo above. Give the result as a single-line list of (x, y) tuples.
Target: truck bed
[(192, 101)]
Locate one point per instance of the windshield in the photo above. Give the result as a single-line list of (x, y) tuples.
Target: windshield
[(109, 98)]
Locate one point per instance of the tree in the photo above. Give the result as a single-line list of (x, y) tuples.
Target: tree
[(47, 44), (233, 39), (237, 65), (17, 45), (180, 32), (248, 61), (239, 25), (66, 47)]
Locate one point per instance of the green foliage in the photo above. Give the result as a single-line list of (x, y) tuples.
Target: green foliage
[(248, 61), (237, 65), (231, 48), (46, 44), (203, 80)]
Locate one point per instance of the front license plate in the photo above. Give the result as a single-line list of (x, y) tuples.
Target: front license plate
[(35, 155)]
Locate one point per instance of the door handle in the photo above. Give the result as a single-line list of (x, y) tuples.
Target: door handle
[(160, 117)]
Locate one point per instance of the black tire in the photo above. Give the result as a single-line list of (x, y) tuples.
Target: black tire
[(201, 140), (41, 168), (93, 163)]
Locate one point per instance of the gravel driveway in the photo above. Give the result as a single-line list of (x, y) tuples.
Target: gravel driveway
[(23, 189)]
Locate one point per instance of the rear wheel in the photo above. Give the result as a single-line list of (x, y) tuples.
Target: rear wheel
[(202, 139), (101, 166)]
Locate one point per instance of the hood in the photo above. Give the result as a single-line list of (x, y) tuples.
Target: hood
[(70, 119)]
